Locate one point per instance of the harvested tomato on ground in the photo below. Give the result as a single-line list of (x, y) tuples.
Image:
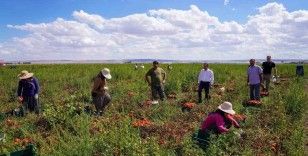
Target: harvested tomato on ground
[(147, 103), (274, 145), (131, 114), (264, 93), (171, 95), (131, 94), (95, 129), (239, 117), (23, 142), (230, 90), (216, 85), (253, 103), (162, 142), (17, 141), (187, 106), (11, 123), (142, 123)]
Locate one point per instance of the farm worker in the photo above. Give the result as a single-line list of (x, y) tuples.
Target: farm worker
[(217, 122), (300, 69), (169, 67), (267, 71), (156, 78), (205, 80), (28, 89), (221, 120), (99, 91), (136, 66), (254, 78)]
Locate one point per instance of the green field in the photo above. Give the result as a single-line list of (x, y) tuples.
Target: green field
[(274, 128)]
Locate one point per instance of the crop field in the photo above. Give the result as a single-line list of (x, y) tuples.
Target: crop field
[(132, 126)]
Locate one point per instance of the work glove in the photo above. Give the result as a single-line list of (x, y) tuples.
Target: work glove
[(36, 96)]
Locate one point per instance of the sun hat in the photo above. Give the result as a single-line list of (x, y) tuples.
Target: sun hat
[(226, 107), (24, 75), (106, 73)]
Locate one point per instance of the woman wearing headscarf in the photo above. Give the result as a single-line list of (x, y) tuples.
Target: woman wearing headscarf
[(99, 91)]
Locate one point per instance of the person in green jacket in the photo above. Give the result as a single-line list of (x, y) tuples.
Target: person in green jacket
[(156, 78)]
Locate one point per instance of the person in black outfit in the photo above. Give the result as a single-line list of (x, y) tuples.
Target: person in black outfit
[(299, 69), (267, 71)]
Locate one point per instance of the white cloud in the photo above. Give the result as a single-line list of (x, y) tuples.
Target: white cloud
[(226, 2), (164, 34), (272, 9), (93, 20)]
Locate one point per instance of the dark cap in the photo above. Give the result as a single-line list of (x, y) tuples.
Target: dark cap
[(155, 62)]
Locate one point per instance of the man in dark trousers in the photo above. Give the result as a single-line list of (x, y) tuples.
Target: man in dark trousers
[(267, 71), (205, 80), (254, 79), (156, 78)]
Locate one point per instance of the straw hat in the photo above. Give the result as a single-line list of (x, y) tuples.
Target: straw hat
[(24, 75), (226, 107), (106, 73)]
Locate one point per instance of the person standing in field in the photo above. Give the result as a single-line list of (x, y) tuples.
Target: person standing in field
[(300, 69), (28, 89), (156, 78), (205, 80), (267, 71), (254, 79), (100, 96)]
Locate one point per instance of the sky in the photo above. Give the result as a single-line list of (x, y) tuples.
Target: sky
[(153, 29)]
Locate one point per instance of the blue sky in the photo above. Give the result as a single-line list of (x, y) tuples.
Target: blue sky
[(17, 12), (135, 22)]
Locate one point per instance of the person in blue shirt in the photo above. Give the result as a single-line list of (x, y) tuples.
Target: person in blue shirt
[(28, 89), (254, 79)]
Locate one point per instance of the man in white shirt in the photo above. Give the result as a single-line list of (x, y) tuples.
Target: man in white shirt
[(205, 80)]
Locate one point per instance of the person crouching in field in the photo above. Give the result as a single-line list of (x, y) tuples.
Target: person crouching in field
[(217, 122), (28, 89), (254, 79), (156, 78), (99, 91), (267, 71), (205, 80)]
